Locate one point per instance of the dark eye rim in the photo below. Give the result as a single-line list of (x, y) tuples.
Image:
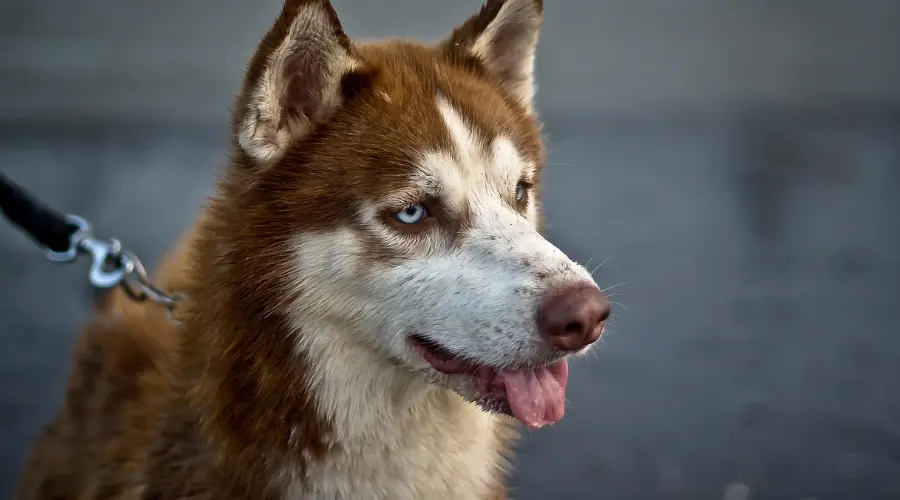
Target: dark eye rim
[(397, 213), (389, 216), (526, 190)]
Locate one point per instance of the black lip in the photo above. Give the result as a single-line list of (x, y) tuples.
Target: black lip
[(434, 347), (494, 403), (439, 350)]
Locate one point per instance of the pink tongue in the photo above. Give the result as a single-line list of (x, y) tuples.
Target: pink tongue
[(537, 397)]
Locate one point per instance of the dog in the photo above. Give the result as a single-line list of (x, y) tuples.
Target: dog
[(371, 310)]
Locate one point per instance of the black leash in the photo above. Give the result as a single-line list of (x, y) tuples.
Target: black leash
[(65, 237), (47, 227)]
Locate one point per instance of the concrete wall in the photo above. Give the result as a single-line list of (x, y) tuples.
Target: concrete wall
[(161, 59)]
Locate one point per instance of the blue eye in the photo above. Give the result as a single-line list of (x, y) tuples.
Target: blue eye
[(412, 214), (521, 191)]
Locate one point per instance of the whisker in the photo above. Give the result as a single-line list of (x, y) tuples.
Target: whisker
[(600, 264), (591, 259), (618, 285), (623, 306), (593, 351), (570, 165)]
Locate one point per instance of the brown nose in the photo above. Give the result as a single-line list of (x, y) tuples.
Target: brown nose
[(572, 318)]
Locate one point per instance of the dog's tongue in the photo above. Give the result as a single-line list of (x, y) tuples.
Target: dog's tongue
[(537, 397)]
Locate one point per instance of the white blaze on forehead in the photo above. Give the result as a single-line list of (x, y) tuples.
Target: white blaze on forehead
[(468, 144), (473, 171)]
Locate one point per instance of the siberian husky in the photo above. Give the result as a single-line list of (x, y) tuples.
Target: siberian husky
[(371, 310)]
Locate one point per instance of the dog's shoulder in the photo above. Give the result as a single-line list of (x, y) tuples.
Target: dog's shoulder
[(119, 387)]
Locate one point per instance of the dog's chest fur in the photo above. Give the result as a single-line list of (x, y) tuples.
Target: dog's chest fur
[(401, 439), (414, 460)]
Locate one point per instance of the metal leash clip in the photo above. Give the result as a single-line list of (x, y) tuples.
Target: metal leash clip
[(112, 266)]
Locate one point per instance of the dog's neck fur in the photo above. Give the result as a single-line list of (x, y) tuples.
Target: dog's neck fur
[(410, 435), (299, 404)]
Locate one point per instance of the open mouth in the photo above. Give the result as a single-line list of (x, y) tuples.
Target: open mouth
[(536, 396)]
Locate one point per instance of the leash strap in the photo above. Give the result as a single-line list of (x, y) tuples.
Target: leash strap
[(47, 227), (65, 237)]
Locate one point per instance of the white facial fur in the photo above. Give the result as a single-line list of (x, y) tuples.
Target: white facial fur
[(476, 294)]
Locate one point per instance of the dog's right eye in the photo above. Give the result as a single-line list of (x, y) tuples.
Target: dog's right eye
[(412, 214)]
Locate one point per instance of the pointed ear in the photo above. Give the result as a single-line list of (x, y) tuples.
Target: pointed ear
[(294, 81), (503, 36)]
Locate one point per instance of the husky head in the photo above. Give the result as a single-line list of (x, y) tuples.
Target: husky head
[(397, 188)]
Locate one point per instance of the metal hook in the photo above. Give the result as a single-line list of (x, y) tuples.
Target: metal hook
[(70, 254), (112, 266)]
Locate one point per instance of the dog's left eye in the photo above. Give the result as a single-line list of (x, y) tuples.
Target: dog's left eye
[(521, 191), (412, 214)]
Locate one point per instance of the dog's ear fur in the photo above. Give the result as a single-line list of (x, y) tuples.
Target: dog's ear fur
[(295, 80), (503, 36)]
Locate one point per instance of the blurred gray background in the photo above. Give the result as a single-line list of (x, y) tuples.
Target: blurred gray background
[(737, 162)]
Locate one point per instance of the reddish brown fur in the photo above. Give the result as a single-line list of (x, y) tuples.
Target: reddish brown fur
[(207, 411)]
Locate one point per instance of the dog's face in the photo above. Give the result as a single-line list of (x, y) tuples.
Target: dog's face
[(404, 179)]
